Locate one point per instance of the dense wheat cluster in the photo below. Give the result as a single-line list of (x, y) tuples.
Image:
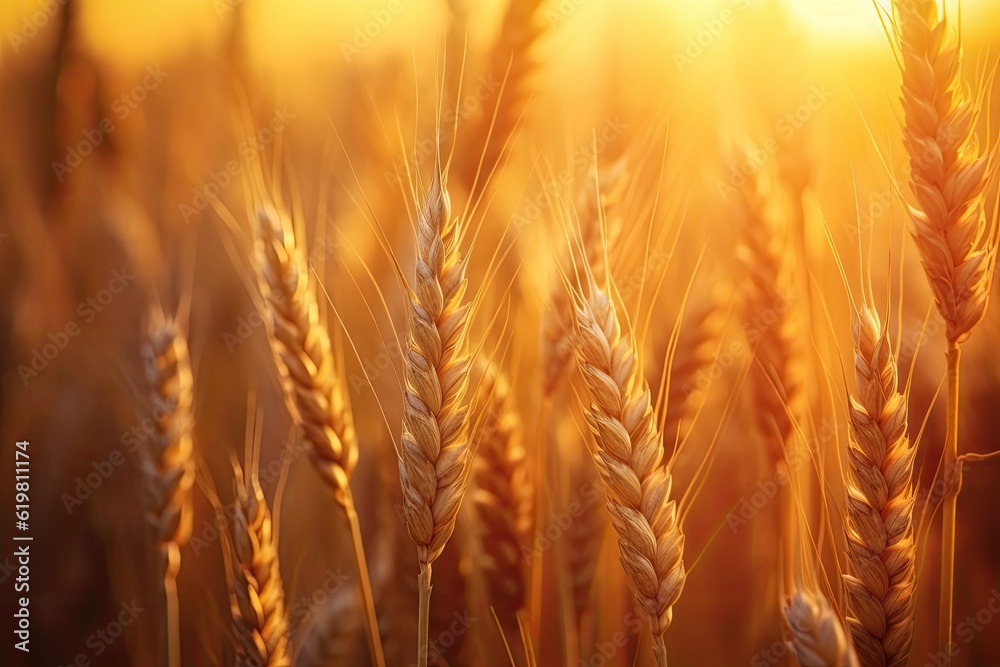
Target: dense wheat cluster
[(521, 333)]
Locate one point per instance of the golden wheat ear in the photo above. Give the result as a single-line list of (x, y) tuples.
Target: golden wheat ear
[(261, 594), (817, 637), (881, 551), (434, 451), (502, 496), (629, 453), (949, 167), (166, 459)]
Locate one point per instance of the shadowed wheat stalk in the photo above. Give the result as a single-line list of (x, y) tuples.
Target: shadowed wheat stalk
[(880, 547), (949, 172), (502, 497), (435, 452), (817, 636), (261, 597), (166, 461), (305, 361), (629, 454)]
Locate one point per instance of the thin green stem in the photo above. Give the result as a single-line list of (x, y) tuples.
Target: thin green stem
[(423, 618), (950, 471)]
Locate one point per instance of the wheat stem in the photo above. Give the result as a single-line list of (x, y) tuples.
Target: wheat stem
[(173, 630), (361, 563), (949, 509), (424, 613)]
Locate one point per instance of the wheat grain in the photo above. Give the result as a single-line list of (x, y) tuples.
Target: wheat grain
[(262, 616), (880, 545), (166, 461), (629, 455), (817, 636), (948, 168), (434, 451), (502, 497), (777, 378), (302, 350)]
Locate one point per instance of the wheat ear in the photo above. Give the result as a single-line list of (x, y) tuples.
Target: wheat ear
[(948, 168), (262, 608), (817, 636), (167, 462), (949, 171), (511, 64), (629, 454), (502, 497), (434, 450), (880, 548), (313, 391)]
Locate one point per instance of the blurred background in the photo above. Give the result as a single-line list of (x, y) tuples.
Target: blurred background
[(121, 123)]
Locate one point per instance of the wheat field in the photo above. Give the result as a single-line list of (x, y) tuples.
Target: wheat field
[(523, 333)]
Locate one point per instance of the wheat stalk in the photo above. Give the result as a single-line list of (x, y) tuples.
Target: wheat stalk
[(880, 547), (817, 636), (166, 461), (313, 392), (434, 451), (629, 456), (502, 497), (949, 171), (261, 606)]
